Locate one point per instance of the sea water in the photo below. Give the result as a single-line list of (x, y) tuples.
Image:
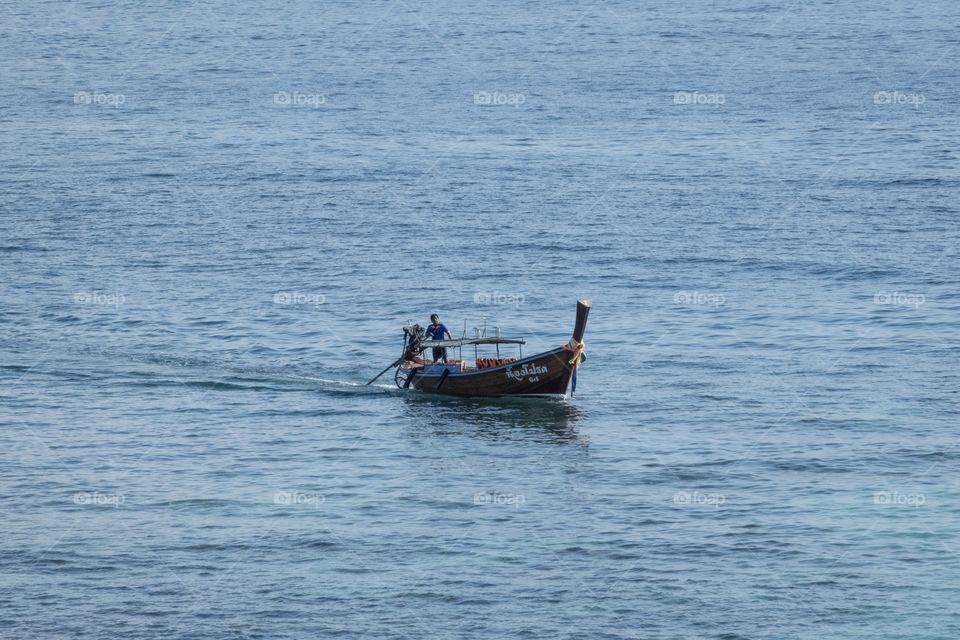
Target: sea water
[(216, 218)]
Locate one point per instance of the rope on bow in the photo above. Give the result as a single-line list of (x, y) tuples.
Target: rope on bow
[(576, 348)]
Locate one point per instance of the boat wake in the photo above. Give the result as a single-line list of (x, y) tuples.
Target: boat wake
[(205, 372), (344, 383)]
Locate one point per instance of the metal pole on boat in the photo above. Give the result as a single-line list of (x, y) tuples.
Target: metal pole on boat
[(392, 365)]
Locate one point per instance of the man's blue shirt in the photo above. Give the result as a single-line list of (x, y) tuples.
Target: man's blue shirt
[(436, 331)]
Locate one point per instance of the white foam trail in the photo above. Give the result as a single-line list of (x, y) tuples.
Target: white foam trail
[(342, 382)]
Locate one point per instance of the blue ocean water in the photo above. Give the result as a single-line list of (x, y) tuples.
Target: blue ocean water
[(216, 217)]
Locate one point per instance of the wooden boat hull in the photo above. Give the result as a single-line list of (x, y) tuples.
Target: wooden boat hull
[(544, 374)]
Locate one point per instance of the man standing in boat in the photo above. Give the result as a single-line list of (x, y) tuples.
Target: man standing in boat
[(436, 331)]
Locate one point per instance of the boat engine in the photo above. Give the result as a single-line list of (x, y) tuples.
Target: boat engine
[(412, 346), (412, 341)]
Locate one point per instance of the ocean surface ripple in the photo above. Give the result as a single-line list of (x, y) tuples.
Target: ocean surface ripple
[(216, 217)]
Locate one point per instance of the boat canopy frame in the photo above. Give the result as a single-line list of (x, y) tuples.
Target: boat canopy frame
[(415, 344), (464, 342)]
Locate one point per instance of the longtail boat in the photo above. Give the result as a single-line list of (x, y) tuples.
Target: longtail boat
[(549, 373)]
